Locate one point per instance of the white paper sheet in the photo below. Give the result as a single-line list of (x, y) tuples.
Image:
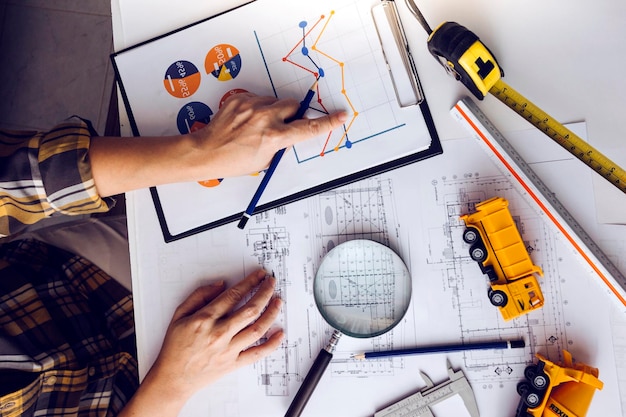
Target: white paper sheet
[(415, 211)]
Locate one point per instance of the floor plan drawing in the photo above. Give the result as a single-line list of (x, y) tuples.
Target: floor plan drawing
[(364, 210), (415, 211), (269, 245), (369, 209)]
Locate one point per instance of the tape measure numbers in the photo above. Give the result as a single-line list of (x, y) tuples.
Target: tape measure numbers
[(467, 59), (560, 134)]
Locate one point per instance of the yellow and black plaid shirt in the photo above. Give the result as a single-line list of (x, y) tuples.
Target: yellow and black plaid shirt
[(70, 324), (73, 326), (43, 174)]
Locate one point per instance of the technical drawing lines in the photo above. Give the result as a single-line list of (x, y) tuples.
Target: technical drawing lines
[(318, 72), (269, 245), (356, 211)]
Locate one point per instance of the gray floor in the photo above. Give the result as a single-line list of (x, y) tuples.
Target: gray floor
[(54, 62)]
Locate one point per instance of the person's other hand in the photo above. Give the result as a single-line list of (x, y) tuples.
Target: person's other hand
[(248, 130), (209, 336)]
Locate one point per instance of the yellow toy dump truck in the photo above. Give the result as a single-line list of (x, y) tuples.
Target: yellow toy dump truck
[(553, 390), (497, 246)]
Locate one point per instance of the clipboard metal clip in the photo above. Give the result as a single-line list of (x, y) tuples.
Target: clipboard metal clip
[(397, 54)]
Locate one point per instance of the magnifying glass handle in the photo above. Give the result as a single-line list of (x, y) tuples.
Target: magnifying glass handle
[(309, 384), (313, 377)]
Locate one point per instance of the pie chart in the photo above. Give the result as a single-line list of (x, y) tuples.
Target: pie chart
[(182, 79), (223, 61), (193, 116)]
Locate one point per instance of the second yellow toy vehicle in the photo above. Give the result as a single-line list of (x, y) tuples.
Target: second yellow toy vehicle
[(557, 389), (497, 246)]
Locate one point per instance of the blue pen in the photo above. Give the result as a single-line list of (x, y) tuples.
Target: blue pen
[(304, 105), (513, 344)]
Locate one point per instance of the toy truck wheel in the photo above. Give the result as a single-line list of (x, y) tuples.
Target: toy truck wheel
[(530, 372), (540, 382), (470, 235), (522, 388), (497, 298), (537, 378), (532, 399), (478, 252)]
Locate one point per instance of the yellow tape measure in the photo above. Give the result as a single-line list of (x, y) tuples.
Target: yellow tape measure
[(467, 59), (560, 134)]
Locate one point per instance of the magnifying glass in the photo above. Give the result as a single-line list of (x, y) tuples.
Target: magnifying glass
[(362, 289)]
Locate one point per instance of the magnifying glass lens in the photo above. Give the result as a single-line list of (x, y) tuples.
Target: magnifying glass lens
[(362, 288)]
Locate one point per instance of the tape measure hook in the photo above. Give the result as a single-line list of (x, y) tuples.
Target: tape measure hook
[(448, 67)]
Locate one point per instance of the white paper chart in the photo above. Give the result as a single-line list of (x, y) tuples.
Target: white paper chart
[(177, 83)]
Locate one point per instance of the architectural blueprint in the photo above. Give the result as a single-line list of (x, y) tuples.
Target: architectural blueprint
[(414, 210)]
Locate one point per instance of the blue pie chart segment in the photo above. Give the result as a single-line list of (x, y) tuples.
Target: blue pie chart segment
[(193, 116)]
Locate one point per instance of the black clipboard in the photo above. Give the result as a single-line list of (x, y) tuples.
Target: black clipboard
[(134, 110)]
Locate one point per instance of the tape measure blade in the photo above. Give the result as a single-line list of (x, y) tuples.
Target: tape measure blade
[(541, 199), (571, 142)]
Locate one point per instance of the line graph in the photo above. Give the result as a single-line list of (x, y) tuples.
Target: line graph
[(319, 72), (335, 49)]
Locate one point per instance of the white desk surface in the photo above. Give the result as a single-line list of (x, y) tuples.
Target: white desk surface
[(567, 56)]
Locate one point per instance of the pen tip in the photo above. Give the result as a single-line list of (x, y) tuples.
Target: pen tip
[(242, 222), (359, 356)]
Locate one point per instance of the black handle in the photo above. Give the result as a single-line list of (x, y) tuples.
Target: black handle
[(309, 384)]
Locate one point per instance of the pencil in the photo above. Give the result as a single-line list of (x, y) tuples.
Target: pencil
[(507, 344), (304, 105)]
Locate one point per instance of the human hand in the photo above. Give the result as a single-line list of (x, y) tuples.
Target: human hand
[(241, 139), (208, 338), (248, 130)]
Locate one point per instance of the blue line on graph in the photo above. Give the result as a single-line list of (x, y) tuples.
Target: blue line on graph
[(382, 132), (267, 68), (298, 160)]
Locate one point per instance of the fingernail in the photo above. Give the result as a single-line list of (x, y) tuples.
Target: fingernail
[(219, 283), (342, 116), (276, 333)]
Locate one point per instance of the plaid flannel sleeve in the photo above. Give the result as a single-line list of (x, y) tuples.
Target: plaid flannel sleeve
[(73, 325), (46, 173)]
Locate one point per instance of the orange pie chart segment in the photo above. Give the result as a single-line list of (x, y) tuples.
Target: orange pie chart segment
[(182, 79), (223, 62)]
